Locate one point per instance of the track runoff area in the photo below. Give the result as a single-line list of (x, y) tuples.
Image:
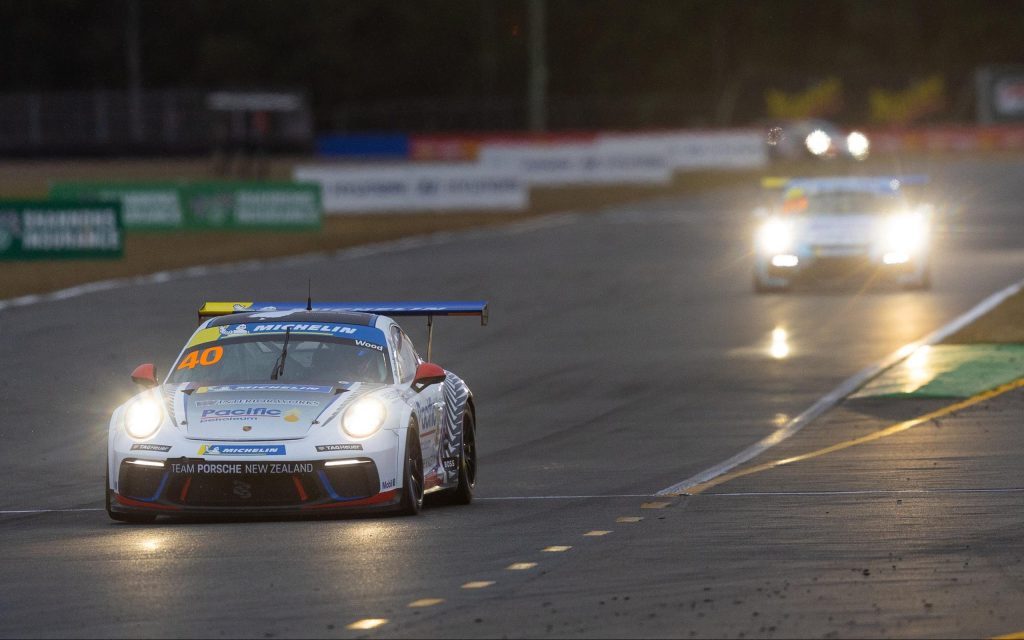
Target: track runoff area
[(860, 517)]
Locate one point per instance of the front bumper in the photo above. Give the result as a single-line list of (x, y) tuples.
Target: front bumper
[(199, 486), (813, 267)]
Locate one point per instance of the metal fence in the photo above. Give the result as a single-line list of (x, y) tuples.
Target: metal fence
[(173, 121)]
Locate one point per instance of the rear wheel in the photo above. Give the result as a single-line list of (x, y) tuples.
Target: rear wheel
[(463, 493), (412, 485)]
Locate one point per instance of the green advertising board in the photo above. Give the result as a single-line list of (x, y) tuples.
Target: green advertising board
[(143, 205), (60, 230), (205, 205), (253, 205)]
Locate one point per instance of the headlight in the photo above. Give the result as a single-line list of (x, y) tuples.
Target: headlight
[(775, 236), (905, 233), (818, 142), (857, 144), (364, 418), (142, 418)]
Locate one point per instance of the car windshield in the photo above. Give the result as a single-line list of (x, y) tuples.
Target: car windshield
[(839, 204), (319, 360)]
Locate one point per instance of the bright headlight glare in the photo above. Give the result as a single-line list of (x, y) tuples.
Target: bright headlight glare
[(142, 418), (818, 142), (364, 418), (775, 236), (857, 144), (905, 233)]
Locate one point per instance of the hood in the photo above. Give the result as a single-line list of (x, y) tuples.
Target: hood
[(840, 230), (253, 411)]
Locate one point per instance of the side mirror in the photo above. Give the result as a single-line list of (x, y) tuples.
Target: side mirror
[(426, 375), (145, 375)]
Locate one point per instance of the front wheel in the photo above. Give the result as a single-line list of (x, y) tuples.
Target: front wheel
[(412, 485)]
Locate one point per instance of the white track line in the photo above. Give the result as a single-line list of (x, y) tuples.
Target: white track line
[(16, 511), (847, 387), (627, 495), (861, 492)]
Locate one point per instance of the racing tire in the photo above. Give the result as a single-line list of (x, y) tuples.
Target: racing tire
[(463, 493), (412, 483), (133, 518)]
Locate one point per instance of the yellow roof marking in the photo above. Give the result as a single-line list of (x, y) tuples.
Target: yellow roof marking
[(206, 335)]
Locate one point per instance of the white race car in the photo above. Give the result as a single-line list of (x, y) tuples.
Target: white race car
[(276, 408), (844, 226)]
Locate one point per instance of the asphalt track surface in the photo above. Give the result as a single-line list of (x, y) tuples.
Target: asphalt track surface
[(625, 353)]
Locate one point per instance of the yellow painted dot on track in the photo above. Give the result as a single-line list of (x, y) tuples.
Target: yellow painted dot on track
[(628, 519), (596, 532), (478, 584), (1019, 635), (521, 566), (655, 505), (556, 548), (367, 623), (425, 602)]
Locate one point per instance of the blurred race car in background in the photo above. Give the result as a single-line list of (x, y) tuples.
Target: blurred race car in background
[(843, 226), (291, 408), (796, 139)]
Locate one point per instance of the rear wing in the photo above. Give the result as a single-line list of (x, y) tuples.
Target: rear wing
[(421, 309), (875, 184)]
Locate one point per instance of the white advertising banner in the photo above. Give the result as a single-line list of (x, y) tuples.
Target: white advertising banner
[(717, 150), (415, 187), (549, 164)]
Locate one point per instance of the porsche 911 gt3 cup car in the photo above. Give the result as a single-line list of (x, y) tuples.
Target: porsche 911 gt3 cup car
[(293, 408), (796, 139), (842, 226)]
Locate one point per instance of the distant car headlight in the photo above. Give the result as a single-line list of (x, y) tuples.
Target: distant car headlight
[(775, 236), (905, 233), (857, 144), (142, 418), (818, 142), (364, 418)]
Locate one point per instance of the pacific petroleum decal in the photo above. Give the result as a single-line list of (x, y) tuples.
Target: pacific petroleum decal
[(250, 413)]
